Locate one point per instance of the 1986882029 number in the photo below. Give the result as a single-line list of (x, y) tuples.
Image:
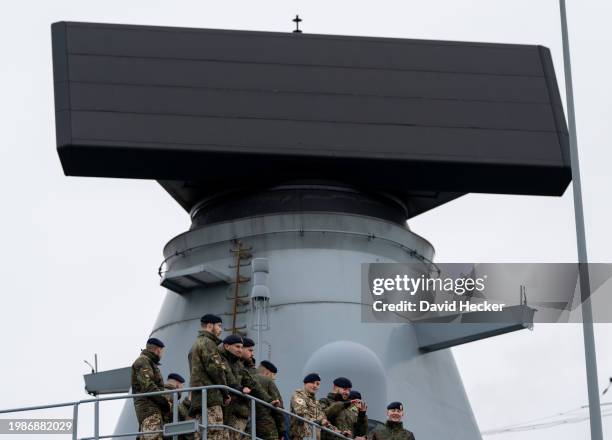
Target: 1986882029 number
[(35, 426)]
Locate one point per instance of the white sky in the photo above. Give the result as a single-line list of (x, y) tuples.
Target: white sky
[(80, 255)]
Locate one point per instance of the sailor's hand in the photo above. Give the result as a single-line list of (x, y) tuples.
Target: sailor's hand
[(347, 433), (275, 402), (227, 400), (246, 390)]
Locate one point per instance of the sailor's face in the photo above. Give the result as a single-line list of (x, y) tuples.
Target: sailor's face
[(235, 349), (159, 352), (217, 329), (395, 415), (247, 353), (312, 387), (344, 392)]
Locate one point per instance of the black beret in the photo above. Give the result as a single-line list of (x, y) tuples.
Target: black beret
[(210, 319), (395, 405), (269, 366), (248, 342), (312, 377), (354, 395), (176, 377), (343, 382), (156, 342), (232, 339)]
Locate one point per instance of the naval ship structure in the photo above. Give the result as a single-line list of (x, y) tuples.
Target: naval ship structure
[(309, 154)]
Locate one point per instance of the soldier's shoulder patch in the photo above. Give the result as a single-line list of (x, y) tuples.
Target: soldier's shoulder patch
[(299, 401)]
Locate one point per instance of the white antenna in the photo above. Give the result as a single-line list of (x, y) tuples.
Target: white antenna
[(260, 300)]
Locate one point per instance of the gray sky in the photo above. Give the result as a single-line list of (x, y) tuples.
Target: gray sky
[(80, 255)]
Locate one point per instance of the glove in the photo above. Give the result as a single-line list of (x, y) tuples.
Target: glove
[(193, 411)]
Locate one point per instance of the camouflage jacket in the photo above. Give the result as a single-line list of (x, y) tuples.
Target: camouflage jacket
[(391, 431), (351, 419), (183, 408), (304, 405), (146, 378), (250, 367), (270, 423), (238, 377), (206, 368), (332, 405)]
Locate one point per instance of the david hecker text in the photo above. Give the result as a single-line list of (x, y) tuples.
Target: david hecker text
[(446, 306)]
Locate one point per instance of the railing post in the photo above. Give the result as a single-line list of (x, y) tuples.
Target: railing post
[(97, 419), (204, 414), (314, 431), (75, 421), (253, 421), (175, 411)]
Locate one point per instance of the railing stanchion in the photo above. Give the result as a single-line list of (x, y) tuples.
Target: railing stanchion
[(75, 421), (204, 414), (253, 421), (175, 404), (97, 419)]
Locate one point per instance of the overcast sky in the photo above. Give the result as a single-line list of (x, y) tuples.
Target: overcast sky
[(79, 255)]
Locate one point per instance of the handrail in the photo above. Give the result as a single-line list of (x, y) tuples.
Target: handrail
[(203, 389)]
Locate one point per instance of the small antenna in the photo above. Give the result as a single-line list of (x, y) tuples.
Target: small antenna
[(523, 295), (297, 21), (94, 367)]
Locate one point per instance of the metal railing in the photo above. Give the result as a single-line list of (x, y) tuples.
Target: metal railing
[(203, 427)]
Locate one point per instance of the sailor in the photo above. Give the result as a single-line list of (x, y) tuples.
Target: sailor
[(270, 424), (336, 402), (353, 420), (393, 429), (248, 358), (146, 378), (238, 411), (304, 404), (207, 368), (176, 382)]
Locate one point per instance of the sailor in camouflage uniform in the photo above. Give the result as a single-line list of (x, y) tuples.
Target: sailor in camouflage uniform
[(335, 403), (393, 429), (270, 424), (353, 420), (207, 368), (176, 382), (304, 404), (239, 410), (146, 378)]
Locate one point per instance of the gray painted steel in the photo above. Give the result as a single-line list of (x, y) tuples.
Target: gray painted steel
[(108, 382), (442, 336), (224, 110), (315, 314)]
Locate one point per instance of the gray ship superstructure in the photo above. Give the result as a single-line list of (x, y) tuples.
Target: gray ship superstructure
[(315, 259)]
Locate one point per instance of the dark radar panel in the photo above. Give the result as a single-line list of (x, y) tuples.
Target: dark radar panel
[(214, 110)]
